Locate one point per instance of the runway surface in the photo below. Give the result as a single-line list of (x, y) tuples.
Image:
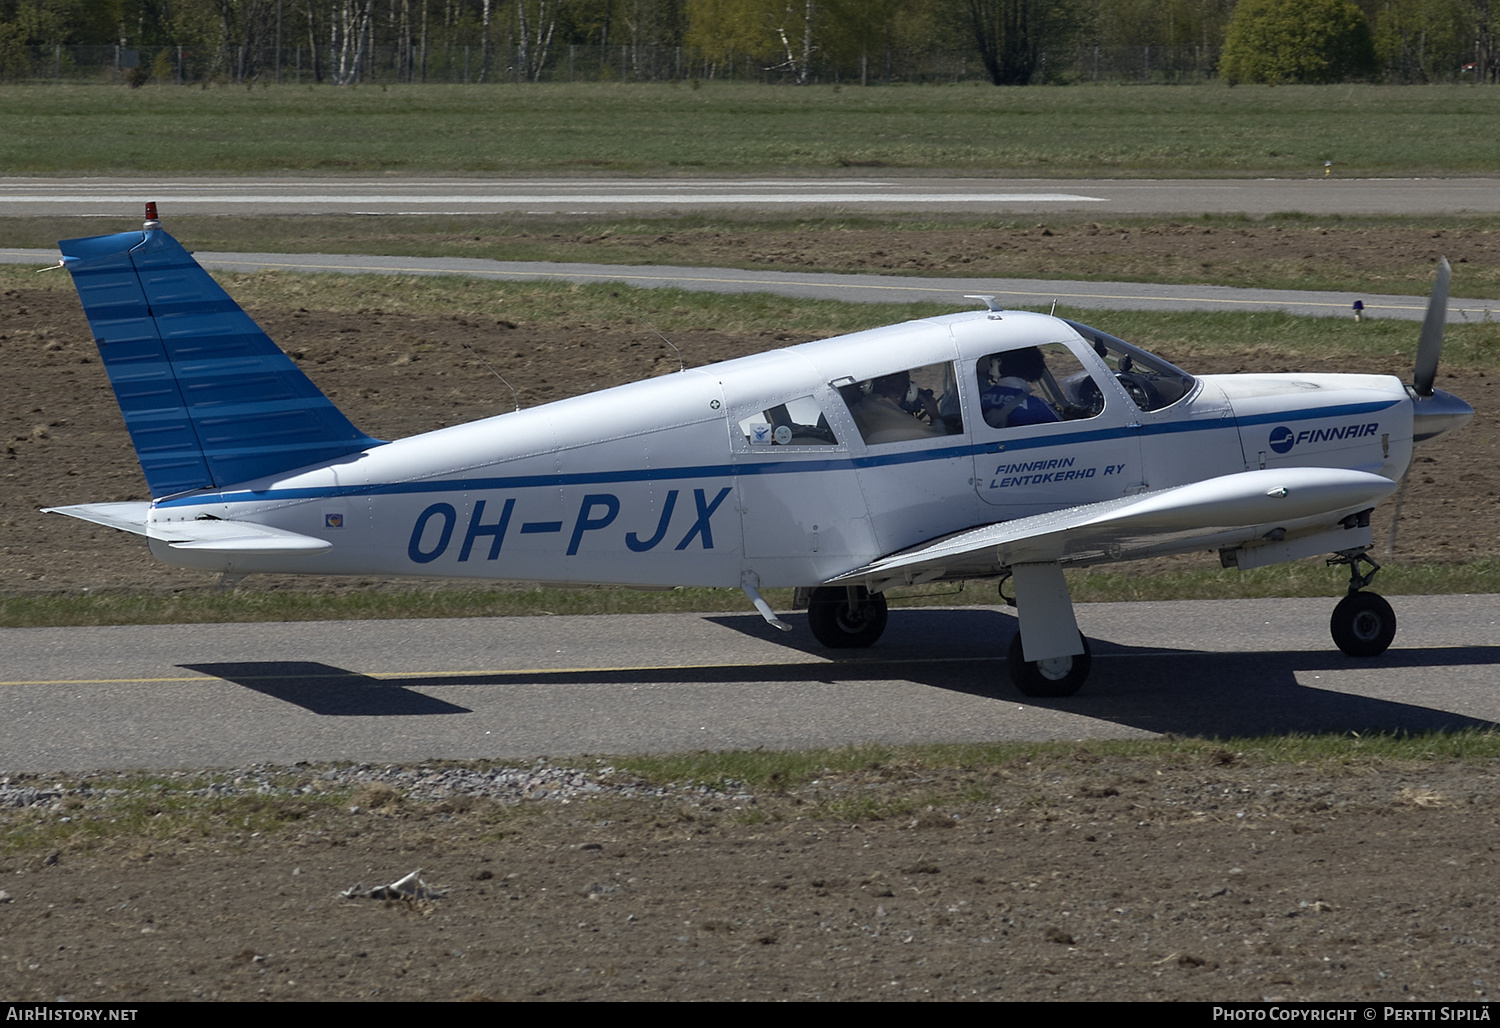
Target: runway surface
[(401, 691), (1038, 294), (55, 197)]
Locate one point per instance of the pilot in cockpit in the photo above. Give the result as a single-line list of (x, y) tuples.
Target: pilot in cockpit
[(1006, 397)]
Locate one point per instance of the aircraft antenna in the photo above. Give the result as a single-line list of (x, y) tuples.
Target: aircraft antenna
[(513, 394), (680, 365)]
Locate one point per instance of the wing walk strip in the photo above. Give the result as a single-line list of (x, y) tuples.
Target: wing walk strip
[(516, 673)]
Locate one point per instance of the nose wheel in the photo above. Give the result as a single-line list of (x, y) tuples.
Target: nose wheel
[(1363, 624)]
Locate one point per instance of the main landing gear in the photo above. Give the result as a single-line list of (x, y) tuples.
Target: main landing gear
[(1057, 676), (851, 617), (846, 617), (1363, 624)]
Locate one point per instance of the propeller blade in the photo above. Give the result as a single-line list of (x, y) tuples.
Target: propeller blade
[(1430, 345)]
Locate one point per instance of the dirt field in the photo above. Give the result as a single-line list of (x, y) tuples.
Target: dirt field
[(1286, 254), (1077, 878), (1067, 878)]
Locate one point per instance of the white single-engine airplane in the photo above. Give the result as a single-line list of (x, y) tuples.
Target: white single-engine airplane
[(988, 444)]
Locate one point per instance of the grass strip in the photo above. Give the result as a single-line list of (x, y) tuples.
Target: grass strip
[(134, 812), (506, 129), (762, 769), (210, 605)]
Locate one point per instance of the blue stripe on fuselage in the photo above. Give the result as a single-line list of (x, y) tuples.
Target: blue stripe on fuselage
[(776, 467)]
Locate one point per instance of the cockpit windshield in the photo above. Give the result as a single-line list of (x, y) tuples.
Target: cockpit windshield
[(1151, 382)]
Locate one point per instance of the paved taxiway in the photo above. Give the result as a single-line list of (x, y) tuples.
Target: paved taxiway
[(60, 196), (1037, 294), (190, 695)]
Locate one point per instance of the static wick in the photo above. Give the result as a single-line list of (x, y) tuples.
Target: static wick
[(513, 394)]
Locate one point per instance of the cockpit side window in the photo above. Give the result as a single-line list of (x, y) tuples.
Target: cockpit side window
[(1036, 385), (1151, 382), (917, 403)]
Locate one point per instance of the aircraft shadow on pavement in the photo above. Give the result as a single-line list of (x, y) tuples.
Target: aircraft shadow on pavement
[(328, 690), (1205, 694), (1201, 694)]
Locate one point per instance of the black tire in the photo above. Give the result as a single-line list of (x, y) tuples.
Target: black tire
[(839, 626), (1060, 678), (1363, 624)]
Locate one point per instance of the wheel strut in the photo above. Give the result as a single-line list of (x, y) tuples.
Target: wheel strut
[(1354, 558)]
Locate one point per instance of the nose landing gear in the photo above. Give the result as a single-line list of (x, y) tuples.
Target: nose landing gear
[(1363, 624)]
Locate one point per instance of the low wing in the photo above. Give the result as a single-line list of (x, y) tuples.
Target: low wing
[(1219, 512), (212, 535)]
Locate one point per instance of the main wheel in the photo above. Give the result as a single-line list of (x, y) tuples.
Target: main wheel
[(1363, 624), (840, 625), (1059, 676)]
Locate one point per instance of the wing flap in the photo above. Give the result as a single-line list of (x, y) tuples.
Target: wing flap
[(1245, 505)]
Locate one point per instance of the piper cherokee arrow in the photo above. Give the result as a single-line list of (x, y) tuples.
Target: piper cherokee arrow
[(989, 444)]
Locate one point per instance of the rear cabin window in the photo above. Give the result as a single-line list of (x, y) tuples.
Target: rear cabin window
[(917, 403), (798, 422)]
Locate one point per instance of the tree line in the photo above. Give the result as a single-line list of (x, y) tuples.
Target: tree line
[(1016, 42)]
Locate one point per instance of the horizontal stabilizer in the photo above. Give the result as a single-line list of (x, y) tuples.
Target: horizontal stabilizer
[(127, 517), (1248, 500), (208, 398), (210, 534)]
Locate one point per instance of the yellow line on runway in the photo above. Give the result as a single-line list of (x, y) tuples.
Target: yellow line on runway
[(510, 672)]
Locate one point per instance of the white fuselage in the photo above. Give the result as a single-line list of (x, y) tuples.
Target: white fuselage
[(660, 483)]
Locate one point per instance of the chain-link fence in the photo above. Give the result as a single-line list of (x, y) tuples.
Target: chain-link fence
[(476, 63)]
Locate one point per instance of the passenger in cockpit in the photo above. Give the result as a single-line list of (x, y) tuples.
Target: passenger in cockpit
[(882, 418)]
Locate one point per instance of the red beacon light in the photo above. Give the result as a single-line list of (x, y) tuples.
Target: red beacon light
[(151, 219)]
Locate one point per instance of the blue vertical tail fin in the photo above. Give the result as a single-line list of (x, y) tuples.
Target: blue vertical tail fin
[(208, 398)]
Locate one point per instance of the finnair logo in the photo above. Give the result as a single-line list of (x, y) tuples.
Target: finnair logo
[(1283, 438)]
